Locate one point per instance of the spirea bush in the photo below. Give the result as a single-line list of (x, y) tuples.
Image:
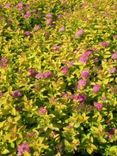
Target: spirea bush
[(58, 78)]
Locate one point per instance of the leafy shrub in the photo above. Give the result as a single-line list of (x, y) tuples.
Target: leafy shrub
[(58, 77)]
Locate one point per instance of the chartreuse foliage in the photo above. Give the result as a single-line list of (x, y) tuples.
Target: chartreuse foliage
[(58, 77)]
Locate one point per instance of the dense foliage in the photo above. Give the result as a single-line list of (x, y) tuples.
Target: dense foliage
[(58, 77)]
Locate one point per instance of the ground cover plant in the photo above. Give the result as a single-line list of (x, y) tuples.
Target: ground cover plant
[(58, 78)]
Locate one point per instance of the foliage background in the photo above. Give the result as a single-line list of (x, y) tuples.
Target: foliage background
[(50, 112)]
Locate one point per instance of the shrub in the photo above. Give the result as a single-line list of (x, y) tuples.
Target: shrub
[(58, 77)]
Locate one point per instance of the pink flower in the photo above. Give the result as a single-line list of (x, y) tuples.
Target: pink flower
[(27, 33), (42, 111), (112, 70), (7, 6), (59, 16), (20, 6), (85, 74), (70, 64), (104, 98), (88, 53), (49, 21), (81, 84), (22, 148), (81, 98), (32, 72), (46, 34), (62, 29), (31, 134), (16, 93), (47, 74), (83, 59), (79, 33), (49, 15), (65, 95), (3, 62), (96, 60), (69, 126), (43, 75), (104, 44), (96, 88), (98, 106), (114, 56), (36, 27), (64, 70), (1, 94), (111, 132), (27, 14), (115, 36), (39, 76), (56, 48), (85, 56)]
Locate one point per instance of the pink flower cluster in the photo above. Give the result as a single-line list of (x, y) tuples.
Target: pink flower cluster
[(27, 14), (3, 62), (66, 67), (42, 111), (22, 148), (8, 6), (16, 93), (96, 88), (111, 132), (115, 36), (49, 19), (27, 33), (104, 44), (112, 70), (1, 94), (32, 72), (85, 56), (85, 74), (98, 106), (20, 6), (59, 16), (114, 56), (64, 70), (81, 84), (62, 29), (43, 75), (69, 64), (79, 33), (66, 95), (49, 15), (56, 48), (36, 27), (79, 97), (37, 75), (31, 134)]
